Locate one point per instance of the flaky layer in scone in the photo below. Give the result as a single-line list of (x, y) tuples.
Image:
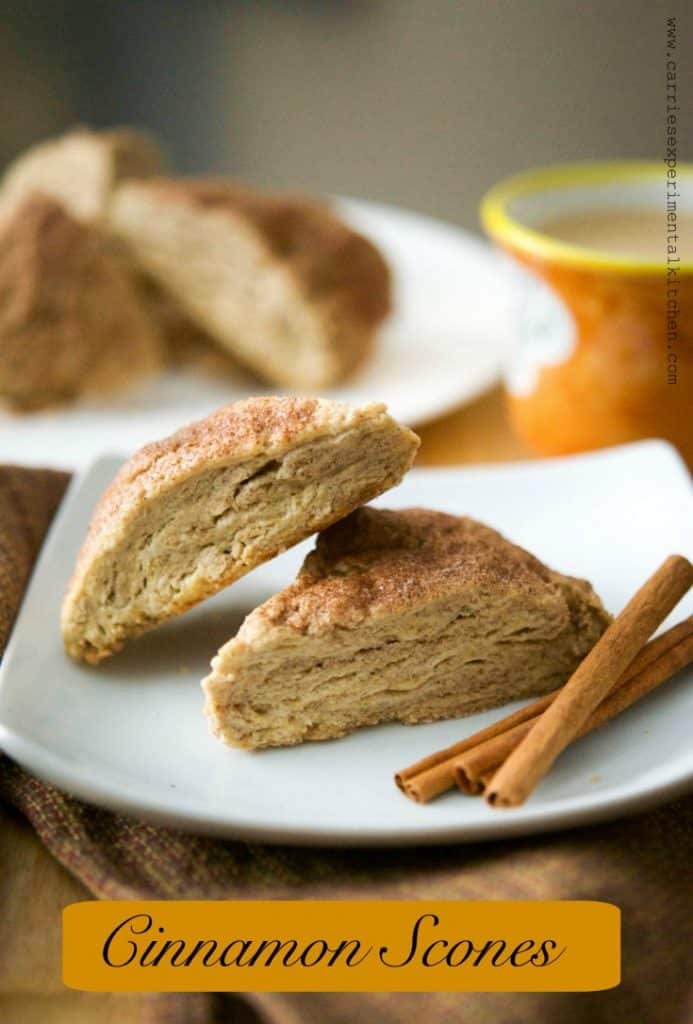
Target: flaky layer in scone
[(72, 319), (188, 515), (406, 616), (280, 282)]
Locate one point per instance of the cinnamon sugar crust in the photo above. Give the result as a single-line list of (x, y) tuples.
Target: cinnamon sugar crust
[(399, 616), (280, 282), (188, 515), (377, 562), (71, 318)]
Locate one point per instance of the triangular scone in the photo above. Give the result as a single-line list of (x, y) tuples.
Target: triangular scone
[(72, 320), (81, 169), (190, 514), (405, 616), (280, 282)]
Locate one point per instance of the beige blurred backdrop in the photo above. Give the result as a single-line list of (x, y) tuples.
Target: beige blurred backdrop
[(424, 103)]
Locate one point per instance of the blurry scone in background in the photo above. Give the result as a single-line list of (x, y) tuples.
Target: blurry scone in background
[(277, 284), (189, 514), (280, 282), (72, 319)]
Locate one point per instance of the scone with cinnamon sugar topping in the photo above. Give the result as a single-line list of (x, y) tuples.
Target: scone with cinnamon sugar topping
[(72, 318), (188, 515), (406, 616), (278, 281)]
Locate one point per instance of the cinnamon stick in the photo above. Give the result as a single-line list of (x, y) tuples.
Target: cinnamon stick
[(658, 661), (435, 774), (594, 677), (484, 751)]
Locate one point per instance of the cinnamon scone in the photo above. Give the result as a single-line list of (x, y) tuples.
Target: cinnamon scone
[(405, 616), (187, 345), (281, 282), (188, 515), (72, 321), (81, 169)]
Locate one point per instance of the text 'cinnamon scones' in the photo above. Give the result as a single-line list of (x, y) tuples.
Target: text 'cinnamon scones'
[(190, 514), (405, 616)]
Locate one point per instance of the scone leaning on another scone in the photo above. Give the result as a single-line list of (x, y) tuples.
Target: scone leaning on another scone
[(81, 169), (407, 616), (190, 514), (72, 320), (280, 282)]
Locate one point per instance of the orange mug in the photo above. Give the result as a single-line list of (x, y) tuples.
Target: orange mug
[(604, 304)]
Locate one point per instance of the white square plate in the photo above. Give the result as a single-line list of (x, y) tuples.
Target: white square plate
[(130, 735)]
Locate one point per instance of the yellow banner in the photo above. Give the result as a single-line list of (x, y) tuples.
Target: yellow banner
[(341, 946)]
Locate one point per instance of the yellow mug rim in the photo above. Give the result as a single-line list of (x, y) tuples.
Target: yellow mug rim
[(502, 227)]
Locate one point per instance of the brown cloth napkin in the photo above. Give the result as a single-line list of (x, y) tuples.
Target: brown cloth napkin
[(642, 864)]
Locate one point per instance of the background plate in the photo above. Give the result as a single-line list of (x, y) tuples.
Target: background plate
[(443, 345), (130, 735)]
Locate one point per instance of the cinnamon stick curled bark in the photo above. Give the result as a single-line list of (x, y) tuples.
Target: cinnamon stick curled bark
[(594, 677), (435, 774)]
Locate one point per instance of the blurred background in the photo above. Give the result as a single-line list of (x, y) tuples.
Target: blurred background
[(422, 103)]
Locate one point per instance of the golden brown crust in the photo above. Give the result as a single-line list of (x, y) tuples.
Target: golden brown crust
[(264, 424), (407, 616), (326, 256), (270, 427), (233, 433), (376, 562), (71, 319)]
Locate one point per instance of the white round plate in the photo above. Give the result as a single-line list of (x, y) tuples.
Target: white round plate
[(130, 734), (442, 346)]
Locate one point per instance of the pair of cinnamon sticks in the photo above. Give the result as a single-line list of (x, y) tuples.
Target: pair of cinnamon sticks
[(507, 760)]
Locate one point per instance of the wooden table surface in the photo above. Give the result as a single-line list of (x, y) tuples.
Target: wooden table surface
[(34, 888)]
